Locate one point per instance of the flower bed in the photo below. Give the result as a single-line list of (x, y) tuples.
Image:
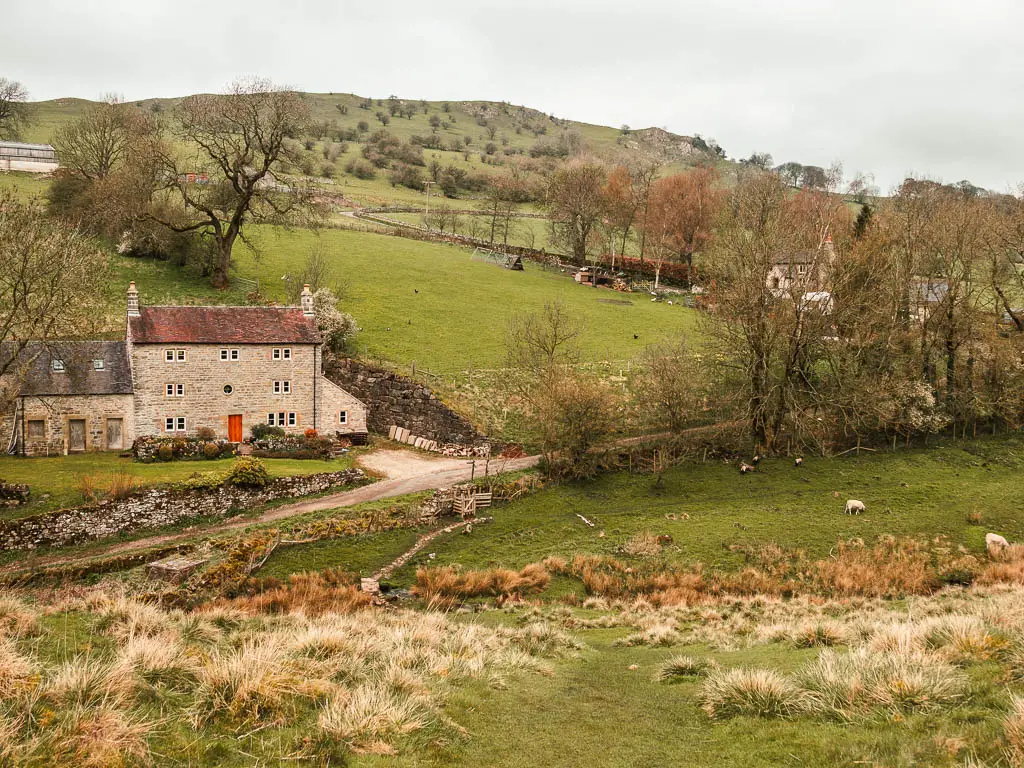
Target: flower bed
[(149, 449)]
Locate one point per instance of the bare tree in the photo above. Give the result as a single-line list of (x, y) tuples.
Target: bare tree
[(104, 138), (48, 279), (15, 112), (672, 385), (227, 173), (576, 202), (536, 341)]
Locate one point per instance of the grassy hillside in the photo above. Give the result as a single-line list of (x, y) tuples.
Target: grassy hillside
[(423, 301)]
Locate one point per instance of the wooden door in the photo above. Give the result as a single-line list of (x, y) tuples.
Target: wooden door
[(76, 434), (115, 435), (235, 428)]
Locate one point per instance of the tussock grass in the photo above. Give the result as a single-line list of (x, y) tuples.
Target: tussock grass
[(15, 670), (679, 667), (1013, 732), (754, 692)]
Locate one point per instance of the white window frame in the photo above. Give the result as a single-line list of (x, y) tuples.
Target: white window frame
[(343, 417), (174, 390), (293, 419), (57, 365), (271, 419), (230, 354), (175, 356), (98, 365), (282, 387), (175, 424), (181, 424), (281, 353)]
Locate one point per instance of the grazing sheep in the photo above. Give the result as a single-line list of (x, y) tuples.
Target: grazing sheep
[(799, 462), (854, 507), (995, 544), (744, 468)]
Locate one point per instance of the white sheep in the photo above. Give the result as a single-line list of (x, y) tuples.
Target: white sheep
[(995, 544), (854, 507), (745, 468)]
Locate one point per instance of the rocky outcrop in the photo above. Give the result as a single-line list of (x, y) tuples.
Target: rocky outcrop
[(393, 399)]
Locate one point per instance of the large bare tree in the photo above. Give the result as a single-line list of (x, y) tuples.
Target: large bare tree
[(226, 166), (106, 137), (576, 202), (15, 111)]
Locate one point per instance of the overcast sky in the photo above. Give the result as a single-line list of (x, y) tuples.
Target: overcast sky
[(933, 87)]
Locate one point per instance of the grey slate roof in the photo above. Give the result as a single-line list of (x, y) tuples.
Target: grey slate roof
[(80, 376)]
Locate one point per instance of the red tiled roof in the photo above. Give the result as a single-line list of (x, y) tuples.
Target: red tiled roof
[(222, 325)]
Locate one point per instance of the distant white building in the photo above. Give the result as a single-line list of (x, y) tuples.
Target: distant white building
[(32, 158), (803, 273)]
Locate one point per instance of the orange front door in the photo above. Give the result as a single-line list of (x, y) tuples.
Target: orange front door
[(235, 428)]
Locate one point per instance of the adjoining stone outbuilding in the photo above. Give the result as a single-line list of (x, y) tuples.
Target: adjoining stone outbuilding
[(179, 370)]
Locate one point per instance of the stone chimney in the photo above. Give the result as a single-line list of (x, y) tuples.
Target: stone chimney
[(133, 300), (307, 301)]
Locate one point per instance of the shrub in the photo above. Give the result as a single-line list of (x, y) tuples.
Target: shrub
[(261, 431), (206, 433), (88, 487), (248, 471), (211, 450), (165, 453), (122, 484), (757, 692), (684, 666), (310, 434)]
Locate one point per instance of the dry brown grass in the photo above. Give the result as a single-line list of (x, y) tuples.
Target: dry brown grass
[(447, 583), (643, 544), (102, 737), (1013, 732), (314, 593)]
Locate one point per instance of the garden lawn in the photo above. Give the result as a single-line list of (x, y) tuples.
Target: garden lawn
[(56, 482)]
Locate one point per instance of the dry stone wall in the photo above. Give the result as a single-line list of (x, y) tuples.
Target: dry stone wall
[(158, 507), (396, 400)]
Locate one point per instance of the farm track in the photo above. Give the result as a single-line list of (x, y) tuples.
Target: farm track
[(383, 489)]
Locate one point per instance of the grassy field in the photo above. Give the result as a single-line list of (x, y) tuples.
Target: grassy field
[(56, 482), (713, 514), (431, 303)]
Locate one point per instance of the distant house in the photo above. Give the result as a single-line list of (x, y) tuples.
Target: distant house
[(180, 369), (33, 158), (801, 273), (926, 293)]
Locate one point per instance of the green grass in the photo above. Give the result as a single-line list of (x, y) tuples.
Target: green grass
[(363, 554), (54, 481), (599, 713), (460, 314), (923, 493)]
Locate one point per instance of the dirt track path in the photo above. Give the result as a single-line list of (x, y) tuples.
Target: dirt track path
[(408, 473)]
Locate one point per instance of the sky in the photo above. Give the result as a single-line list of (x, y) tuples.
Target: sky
[(891, 88)]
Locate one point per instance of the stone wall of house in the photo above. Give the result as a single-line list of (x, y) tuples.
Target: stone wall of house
[(398, 400), (339, 410), (158, 507), (44, 430), (251, 378)]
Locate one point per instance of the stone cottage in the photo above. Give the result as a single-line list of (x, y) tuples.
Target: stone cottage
[(180, 369)]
